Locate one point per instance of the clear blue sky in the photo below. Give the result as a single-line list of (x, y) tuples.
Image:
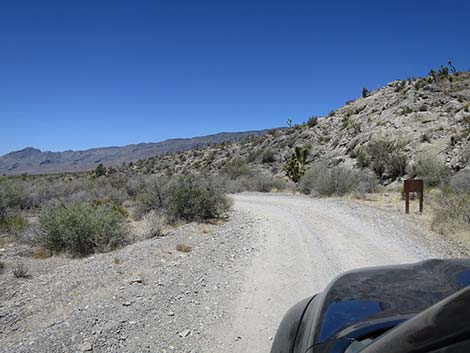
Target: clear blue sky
[(81, 74)]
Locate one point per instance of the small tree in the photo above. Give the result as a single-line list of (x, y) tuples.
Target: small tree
[(365, 92), (100, 170)]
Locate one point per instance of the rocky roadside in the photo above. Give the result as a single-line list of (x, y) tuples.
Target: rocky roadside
[(146, 297)]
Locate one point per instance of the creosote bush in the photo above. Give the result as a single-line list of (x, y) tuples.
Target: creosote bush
[(386, 159), (192, 199), (267, 156), (236, 168), (433, 171), (12, 198), (81, 229), (325, 181)]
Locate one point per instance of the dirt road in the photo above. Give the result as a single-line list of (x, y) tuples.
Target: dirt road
[(304, 243), (227, 295)]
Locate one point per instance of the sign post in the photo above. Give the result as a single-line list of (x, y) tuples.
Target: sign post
[(414, 185)]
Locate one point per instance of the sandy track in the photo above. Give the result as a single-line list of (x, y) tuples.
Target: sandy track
[(303, 244)]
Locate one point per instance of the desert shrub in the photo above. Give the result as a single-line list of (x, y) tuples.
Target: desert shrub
[(191, 199), (432, 171), (236, 168), (326, 181), (387, 158), (81, 229), (11, 198), (112, 204), (16, 224), (460, 182), (313, 121), (362, 159), (266, 183), (153, 223), (152, 195), (2, 267), (452, 213), (100, 170), (267, 156)]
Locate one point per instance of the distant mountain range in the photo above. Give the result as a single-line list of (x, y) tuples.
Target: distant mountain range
[(34, 161)]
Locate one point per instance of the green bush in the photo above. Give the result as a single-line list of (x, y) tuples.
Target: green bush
[(387, 158), (81, 229), (267, 156), (326, 181), (11, 199), (432, 171), (236, 168), (152, 195), (190, 199)]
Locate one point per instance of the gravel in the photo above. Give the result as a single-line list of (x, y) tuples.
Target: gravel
[(226, 295)]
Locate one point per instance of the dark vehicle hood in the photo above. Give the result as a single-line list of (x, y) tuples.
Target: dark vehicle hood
[(382, 295)]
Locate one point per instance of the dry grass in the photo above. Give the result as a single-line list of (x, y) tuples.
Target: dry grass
[(21, 271), (41, 252), (445, 213), (452, 214), (183, 247)]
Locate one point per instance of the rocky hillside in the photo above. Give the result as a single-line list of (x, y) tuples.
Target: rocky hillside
[(428, 116), (34, 161)]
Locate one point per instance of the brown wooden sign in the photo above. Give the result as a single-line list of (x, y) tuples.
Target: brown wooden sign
[(414, 185)]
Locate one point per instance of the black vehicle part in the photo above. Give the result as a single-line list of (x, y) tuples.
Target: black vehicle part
[(288, 331), (444, 327)]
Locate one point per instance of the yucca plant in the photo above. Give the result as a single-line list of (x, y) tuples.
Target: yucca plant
[(295, 167)]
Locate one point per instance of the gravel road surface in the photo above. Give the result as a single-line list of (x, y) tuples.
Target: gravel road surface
[(227, 295)]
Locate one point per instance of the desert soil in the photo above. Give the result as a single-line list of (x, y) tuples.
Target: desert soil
[(226, 295)]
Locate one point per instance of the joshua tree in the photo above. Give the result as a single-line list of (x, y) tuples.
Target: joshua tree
[(452, 67), (295, 167), (289, 122)]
